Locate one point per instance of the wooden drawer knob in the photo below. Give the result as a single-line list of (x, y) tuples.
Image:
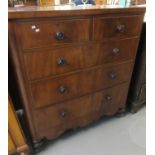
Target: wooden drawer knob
[(108, 98), (62, 89), (115, 51), (112, 76), (61, 61), (63, 114), (120, 28), (59, 35)]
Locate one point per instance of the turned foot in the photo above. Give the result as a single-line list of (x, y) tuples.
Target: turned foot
[(121, 112), (136, 106), (39, 145)]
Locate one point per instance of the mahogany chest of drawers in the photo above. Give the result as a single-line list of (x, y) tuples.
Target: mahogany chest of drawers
[(72, 65)]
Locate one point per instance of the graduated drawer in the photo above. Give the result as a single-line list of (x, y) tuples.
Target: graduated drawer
[(54, 90), (117, 27), (73, 112), (49, 62), (53, 32)]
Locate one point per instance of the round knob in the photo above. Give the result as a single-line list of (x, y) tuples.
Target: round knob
[(108, 98), (115, 51), (62, 89), (112, 76), (60, 61), (63, 114), (120, 28), (60, 35)]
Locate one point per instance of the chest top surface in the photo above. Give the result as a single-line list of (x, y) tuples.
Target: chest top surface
[(59, 11)]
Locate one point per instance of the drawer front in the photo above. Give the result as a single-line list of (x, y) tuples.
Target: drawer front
[(54, 32), (117, 27), (50, 62), (56, 90), (67, 113)]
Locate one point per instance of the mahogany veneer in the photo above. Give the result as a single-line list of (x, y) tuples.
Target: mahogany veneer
[(72, 65), (76, 57), (48, 28)]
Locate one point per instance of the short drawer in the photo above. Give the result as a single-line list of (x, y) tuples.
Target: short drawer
[(71, 112), (117, 27), (53, 32), (54, 90), (49, 62)]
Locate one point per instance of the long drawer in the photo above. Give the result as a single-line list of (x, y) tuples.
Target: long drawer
[(106, 102), (53, 32), (54, 90), (117, 27), (49, 62)]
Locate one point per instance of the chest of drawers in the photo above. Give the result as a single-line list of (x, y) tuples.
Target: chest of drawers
[(72, 66)]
